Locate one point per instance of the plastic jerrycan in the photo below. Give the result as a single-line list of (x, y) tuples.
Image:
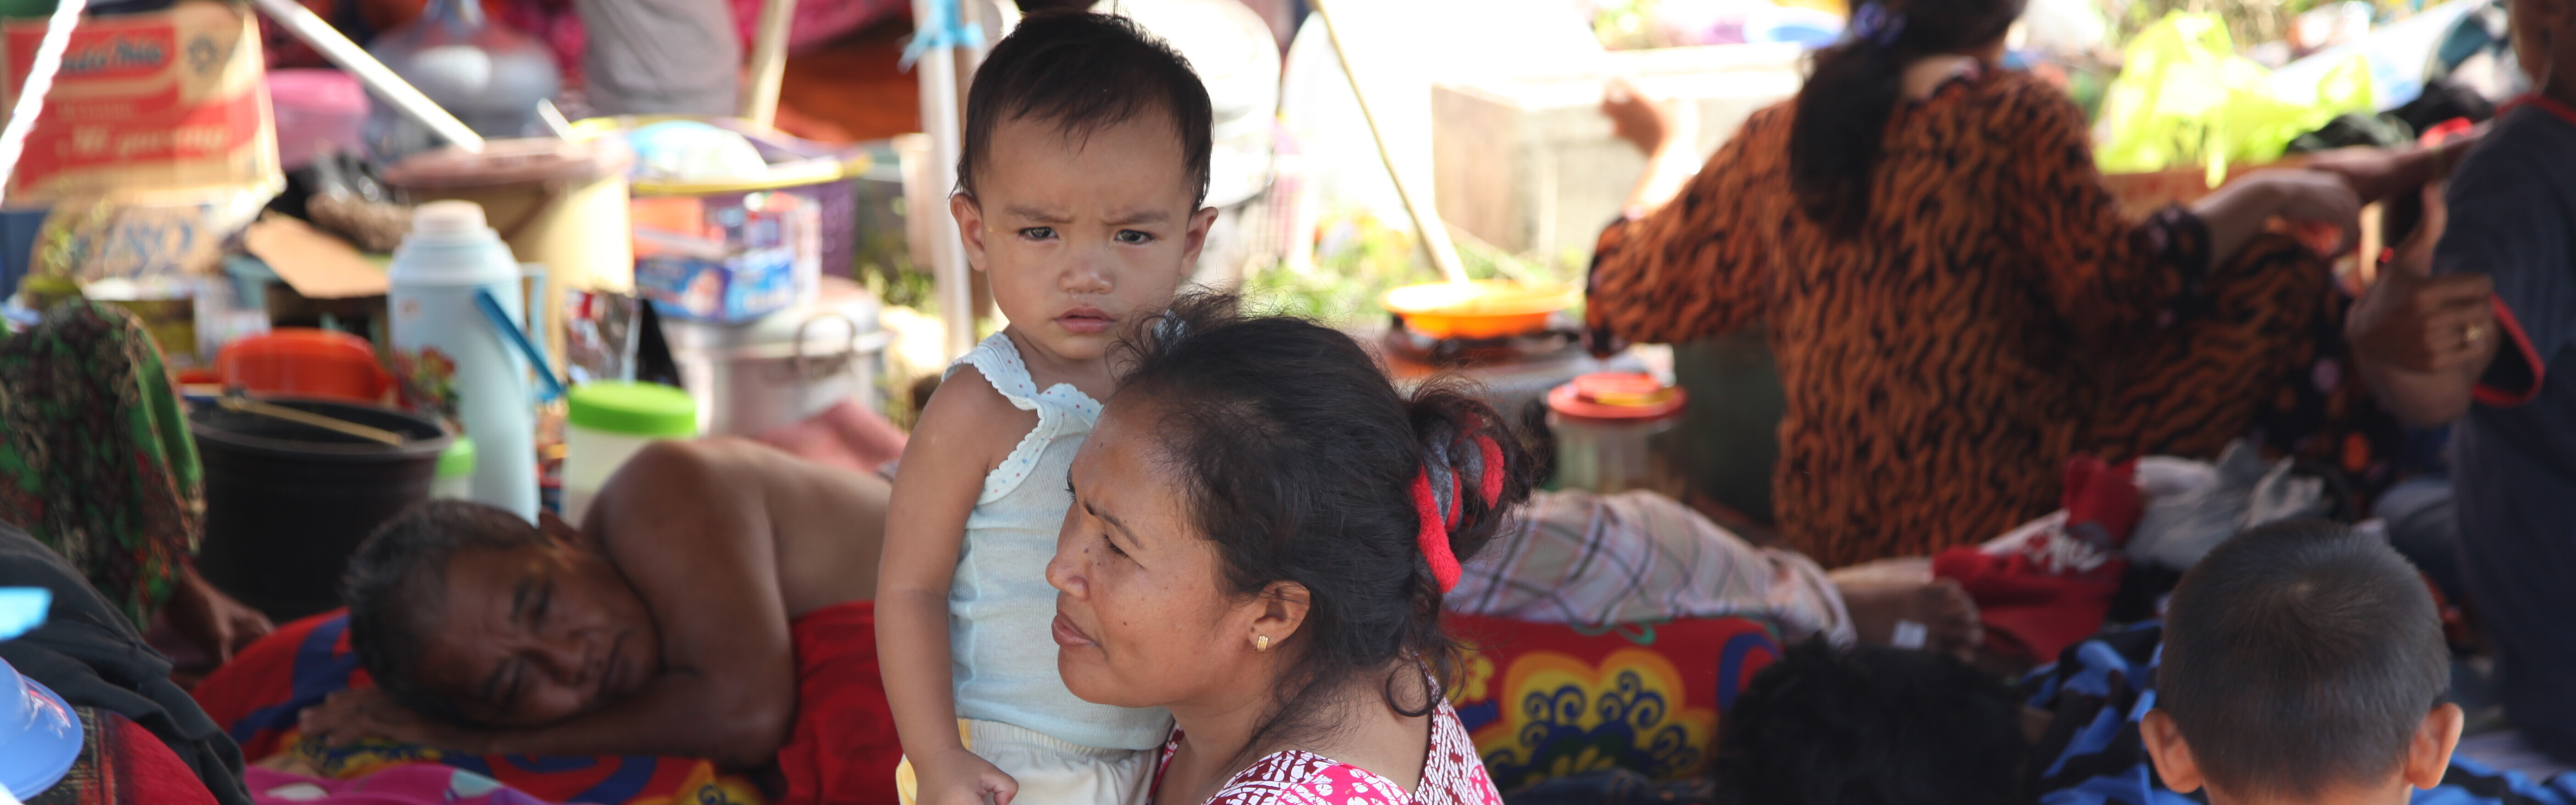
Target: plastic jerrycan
[(450, 257), (487, 75)]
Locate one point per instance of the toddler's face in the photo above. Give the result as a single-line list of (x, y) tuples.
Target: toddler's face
[(1079, 234)]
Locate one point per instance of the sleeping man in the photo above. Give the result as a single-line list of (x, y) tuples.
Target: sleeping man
[(716, 590)]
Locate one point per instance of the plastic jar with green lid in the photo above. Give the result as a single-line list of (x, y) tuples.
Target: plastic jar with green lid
[(455, 480), (606, 423)]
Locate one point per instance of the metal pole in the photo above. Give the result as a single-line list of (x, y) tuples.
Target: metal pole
[(939, 119)]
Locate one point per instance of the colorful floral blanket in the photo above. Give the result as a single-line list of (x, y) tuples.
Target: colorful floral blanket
[(1547, 700)]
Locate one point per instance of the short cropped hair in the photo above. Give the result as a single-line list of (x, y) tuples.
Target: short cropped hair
[(397, 580), (2299, 656), (1083, 72), (1871, 724)]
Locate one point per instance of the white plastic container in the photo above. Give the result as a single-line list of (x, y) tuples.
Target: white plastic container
[(1615, 432), (449, 259), (606, 423), (785, 367)]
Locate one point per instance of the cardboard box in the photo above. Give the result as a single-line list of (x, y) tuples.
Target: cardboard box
[(170, 100), (726, 258)]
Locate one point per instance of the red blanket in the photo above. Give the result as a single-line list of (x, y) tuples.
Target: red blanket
[(845, 752), (121, 763), (843, 749)]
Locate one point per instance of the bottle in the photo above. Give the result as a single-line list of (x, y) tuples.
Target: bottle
[(449, 258), (487, 75)]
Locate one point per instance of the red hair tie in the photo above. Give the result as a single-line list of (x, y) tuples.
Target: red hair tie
[(1440, 513), (1434, 535)]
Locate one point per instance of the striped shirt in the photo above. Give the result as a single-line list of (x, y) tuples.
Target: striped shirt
[(2092, 755)]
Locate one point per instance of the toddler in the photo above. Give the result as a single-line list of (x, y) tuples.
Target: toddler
[(1085, 162)]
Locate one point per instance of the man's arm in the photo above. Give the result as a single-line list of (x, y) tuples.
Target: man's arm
[(693, 528)]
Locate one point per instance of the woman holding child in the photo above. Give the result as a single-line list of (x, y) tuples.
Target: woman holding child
[(1956, 303), (1261, 533)]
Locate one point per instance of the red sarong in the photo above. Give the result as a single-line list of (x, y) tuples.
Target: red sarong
[(843, 748)]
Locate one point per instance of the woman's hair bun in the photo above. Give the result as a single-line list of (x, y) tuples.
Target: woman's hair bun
[(1463, 437)]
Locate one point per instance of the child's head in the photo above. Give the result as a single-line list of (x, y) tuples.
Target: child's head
[(2302, 663), (1246, 521), (1826, 725), (1085, 160)]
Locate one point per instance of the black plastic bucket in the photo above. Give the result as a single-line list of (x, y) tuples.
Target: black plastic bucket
[(286, 503)]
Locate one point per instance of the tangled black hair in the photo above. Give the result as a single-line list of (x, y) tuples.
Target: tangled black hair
[(1083, 72), (1296, 456), (1840, 129), (398, 579), (2299, 656), (1871, 725)]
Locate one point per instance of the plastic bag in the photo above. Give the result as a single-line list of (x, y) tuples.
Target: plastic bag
[(2194, 506)]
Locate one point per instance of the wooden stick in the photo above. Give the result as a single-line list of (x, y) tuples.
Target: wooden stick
[(319, 34), (768, 63), (1435, 235), (255, 407)]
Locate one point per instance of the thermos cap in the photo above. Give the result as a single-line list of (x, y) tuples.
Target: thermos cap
[(449, 221)]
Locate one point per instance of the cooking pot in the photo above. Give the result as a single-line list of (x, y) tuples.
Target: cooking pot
[(781, 368)]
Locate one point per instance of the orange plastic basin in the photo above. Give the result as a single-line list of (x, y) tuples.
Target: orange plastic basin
[(300, 362), (1479, 309)]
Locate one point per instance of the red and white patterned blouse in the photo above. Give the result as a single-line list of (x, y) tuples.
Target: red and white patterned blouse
[(1452, 774)]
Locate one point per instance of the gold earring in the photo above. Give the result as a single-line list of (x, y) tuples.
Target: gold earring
[(1261, 643)]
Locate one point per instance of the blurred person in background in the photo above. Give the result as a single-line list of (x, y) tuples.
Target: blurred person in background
[(96, 463), (1956, 303), (2474, 323)]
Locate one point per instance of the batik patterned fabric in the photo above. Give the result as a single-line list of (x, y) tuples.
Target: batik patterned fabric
[(1543, 701), (1451, 775), (95, 457), (1996, 315), (258, 696)]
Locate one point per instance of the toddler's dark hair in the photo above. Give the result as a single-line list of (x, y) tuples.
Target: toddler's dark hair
[(2299, 656), (1084, 72), (1296, 456), (398, 578), (1871, 724)]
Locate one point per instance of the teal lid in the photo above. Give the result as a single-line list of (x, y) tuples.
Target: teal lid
[(457, 461), (635, 409)]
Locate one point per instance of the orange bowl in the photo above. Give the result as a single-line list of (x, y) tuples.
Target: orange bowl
[(1479, 309)]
